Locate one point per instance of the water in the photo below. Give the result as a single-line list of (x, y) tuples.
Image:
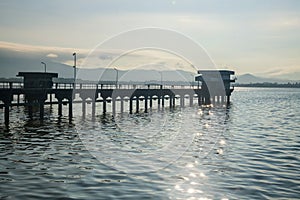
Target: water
[(247, 151)]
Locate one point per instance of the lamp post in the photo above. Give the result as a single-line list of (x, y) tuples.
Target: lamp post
[(192, 82), (161, 78), (74, 54), (117, 77), (45, 66)]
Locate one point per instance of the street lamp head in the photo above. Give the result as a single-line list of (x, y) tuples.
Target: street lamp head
[(44, 66), (74, 54)]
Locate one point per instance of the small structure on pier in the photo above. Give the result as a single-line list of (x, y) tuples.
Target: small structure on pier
[(38, 79), (216, 84), (36, 88)]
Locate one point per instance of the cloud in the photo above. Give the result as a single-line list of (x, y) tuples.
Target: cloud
[(52, 55)]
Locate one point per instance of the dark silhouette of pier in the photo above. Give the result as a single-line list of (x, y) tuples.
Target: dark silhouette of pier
[(38, 89)]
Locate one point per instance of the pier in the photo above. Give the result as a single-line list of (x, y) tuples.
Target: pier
[(38, 90)]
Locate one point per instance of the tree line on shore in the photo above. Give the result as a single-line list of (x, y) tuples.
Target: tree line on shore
[(266, 84)]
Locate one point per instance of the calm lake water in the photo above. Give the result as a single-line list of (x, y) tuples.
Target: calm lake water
[(247, 151)]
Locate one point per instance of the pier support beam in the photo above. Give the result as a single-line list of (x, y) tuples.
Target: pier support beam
[(113, 104), (207, 100), (83, 107), (41, 104), (182, 101), (50, 97), (93, 108), (130, 106), (70, 109), (223, 99), (170, 102), (122, 105), (18, 99), (191, 100), (174, 101), (6, 114), (158, 102), (146, 104), (150, 102), (137, 104), (104, 105), (59, 107), (30, 109)]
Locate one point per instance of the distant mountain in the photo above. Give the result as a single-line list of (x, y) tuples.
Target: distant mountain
[(250, 78), (289, 76), (12, 62)]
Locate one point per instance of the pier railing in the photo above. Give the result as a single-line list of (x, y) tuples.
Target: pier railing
[(125, 85)]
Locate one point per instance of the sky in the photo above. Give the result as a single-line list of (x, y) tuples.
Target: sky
[(248, 36)]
